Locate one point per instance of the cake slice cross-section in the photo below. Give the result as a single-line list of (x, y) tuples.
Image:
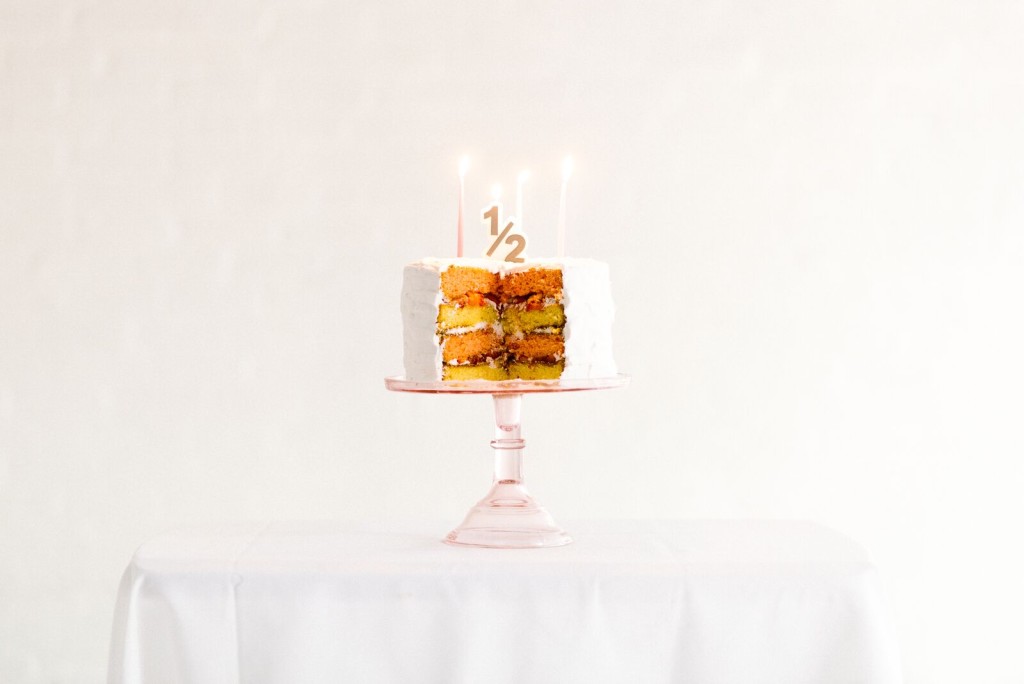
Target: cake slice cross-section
[(478, 319)]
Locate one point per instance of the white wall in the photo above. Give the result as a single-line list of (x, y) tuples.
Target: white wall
[(814, 213)]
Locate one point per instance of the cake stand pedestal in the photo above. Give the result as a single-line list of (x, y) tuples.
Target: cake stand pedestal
[(508, 517)]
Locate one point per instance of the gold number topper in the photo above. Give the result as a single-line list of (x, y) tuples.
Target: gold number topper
[(505, 236)]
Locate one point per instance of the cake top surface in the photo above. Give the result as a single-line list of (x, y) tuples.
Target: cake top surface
[(495, 266)]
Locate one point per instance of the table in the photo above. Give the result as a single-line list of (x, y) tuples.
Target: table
[(672, 601)]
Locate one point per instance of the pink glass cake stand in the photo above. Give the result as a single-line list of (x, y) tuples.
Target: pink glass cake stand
[(508, 517)]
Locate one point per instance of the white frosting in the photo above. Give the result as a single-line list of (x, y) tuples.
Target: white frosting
[(421, 296), (589, 312), (441, 265), (586, 297)]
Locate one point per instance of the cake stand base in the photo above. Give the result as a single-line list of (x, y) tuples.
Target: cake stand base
[(508, 518)]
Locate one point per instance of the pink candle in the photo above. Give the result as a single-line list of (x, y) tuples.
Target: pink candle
[(566, 172), (463, 167)]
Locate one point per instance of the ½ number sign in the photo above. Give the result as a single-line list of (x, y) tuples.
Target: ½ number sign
[(505, 236)]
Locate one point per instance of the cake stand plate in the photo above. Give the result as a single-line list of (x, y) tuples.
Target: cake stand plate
[(508, 517)]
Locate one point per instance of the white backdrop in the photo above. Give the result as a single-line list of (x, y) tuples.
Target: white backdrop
[(813, 213)]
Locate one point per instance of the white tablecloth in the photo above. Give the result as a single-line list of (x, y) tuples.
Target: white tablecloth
[(695, 601)]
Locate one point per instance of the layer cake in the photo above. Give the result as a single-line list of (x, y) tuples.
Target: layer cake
[(482, 319)]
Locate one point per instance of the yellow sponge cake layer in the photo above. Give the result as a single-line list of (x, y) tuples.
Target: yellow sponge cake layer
[(481, 371), (517, 319), (535, 371), (450, 316)]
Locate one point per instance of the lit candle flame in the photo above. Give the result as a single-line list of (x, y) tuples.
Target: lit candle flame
[(566, 168), (463, 167)]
